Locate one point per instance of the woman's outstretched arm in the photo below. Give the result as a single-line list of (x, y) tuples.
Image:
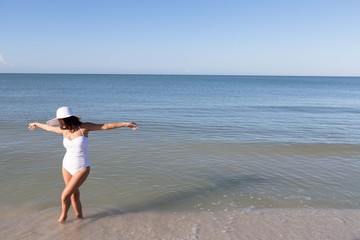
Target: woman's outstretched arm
[(45, 127), (108, 126)]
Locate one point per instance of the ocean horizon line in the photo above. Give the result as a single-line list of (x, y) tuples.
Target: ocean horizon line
[(183, 74)]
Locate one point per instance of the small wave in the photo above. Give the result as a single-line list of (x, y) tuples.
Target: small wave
[(322, 149)]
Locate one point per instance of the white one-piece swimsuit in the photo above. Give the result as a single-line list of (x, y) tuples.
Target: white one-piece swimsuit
[(76, 156)]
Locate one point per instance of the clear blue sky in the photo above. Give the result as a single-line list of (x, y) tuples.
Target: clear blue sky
[(253, 37)]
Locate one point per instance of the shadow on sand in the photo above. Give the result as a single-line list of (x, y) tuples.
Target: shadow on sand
[(215, 184)]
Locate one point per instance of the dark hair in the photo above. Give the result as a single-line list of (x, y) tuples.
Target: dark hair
[(71, 123)]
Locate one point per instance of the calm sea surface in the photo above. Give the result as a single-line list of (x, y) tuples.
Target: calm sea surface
[(204, 143)]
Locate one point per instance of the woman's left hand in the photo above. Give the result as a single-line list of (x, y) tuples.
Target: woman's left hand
[(132, 125)]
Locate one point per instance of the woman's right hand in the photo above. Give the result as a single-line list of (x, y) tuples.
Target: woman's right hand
[(32, 126)]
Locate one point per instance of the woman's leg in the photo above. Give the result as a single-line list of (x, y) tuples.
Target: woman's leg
[(75, 202), (75, 197), (72, 186)]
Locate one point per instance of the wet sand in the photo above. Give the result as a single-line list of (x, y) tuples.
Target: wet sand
[(239, 224)]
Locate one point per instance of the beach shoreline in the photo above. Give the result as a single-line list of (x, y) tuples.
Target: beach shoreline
[(235, 224)]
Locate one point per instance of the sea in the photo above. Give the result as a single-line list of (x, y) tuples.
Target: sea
[(204, 145)]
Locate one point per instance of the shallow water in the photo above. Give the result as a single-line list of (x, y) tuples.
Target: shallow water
[(242, 224)]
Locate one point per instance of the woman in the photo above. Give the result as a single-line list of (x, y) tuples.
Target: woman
[(76, 164)]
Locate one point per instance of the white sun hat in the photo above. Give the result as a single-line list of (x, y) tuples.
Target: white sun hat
[(61, 113)]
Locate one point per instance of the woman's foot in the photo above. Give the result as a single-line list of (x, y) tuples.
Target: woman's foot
[(62, 219)]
